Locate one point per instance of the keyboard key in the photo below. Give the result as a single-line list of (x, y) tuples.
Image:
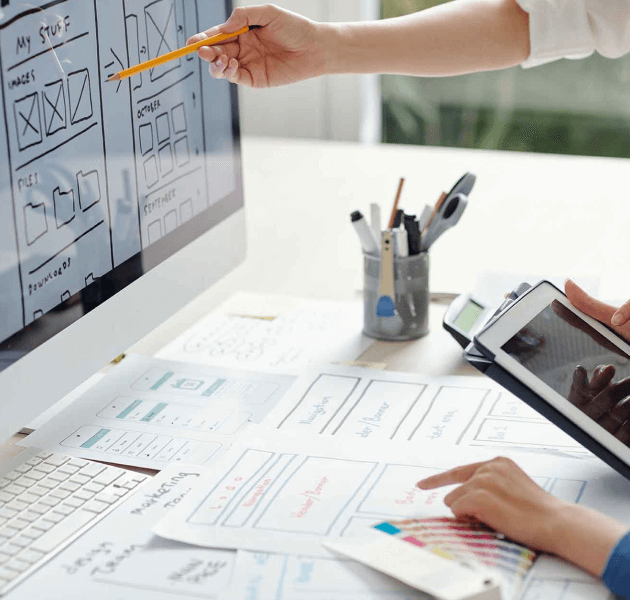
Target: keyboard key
[(50, 501), (31, 556), (6, 533), (93, 469), (13, 475), (68, 469), (120, 492), (43, 525), (80, 479), (73, 502), (48, 483), (130, 485), (33, 462), (16, 505), (39, 490), (63, 509), (21, 541), (7, 513), (93, 487), (78, 462), (30, 515), (28, 497), (57, 476), (53, 538), (57, 460), (25, 482), (40, 509), (108, 476), (32, 533), (44, 468), (44, 455), (11, 549), (19, 524), (69, 486), (17, 565), (6, 575), (95, 506), (4, 482), (54, 517), (24, 468), (83, 494), (59, 493), (6, 497), (35, 475), (107, 498), (14, 489)]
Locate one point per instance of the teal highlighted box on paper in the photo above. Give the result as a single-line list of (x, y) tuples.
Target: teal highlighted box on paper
[(95, 438), (153, 413), (162, 380), (125, 413), (214, 387)]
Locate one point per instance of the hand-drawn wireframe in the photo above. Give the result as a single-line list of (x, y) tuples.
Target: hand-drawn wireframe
[(28, 123), (64, 207), (161, 23), (80, 96), (89, 188), (54, 99), (70, 158)]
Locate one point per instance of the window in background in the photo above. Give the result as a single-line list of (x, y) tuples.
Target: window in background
[(565, 107)]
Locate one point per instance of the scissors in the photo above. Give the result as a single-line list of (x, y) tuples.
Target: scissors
[(448, 213)]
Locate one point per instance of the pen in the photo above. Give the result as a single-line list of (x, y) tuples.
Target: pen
[(375, 211), (401, 243), (175, 54), (368, 243), (396, 201), (412, 227)]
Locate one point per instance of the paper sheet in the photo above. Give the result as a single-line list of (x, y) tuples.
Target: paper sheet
[(309, 332), (288, 492), (259, 576), (119, 558), (148, 413), (362, 403)]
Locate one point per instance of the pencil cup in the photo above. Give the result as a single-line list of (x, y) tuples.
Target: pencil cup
[(411, 298)]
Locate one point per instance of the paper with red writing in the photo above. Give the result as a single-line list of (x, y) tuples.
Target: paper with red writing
[(288, 492)]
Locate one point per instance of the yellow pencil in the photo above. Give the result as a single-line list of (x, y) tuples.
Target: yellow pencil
[(175, 54)]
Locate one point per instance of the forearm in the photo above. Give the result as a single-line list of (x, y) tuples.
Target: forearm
[(585, 537), (462, 36)]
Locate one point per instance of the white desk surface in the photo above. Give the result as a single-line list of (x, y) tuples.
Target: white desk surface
[(534, 213)]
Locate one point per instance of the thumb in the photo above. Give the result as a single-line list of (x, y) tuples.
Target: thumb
[(587, 304)]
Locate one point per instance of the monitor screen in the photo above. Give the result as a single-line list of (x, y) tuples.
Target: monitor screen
[(579, 363), (101, 182)]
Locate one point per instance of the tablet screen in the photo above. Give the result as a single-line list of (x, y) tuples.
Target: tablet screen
[(579, 363)]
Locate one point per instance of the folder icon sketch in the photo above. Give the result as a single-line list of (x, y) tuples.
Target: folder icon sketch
[(64, 206), (89, 187), (35, 222)]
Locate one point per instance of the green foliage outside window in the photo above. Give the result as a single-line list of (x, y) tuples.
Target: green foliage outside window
[(565, 107)]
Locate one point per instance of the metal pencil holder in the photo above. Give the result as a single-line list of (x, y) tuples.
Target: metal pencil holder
[(411, 298)]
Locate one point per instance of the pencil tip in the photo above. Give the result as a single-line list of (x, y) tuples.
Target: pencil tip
[(115, 77)]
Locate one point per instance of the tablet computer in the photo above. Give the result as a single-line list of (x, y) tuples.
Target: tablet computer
[(573, 363)]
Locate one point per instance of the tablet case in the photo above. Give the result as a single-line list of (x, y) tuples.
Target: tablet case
[(497, 373)]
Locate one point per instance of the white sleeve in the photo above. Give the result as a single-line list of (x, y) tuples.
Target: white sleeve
[(576, 29)]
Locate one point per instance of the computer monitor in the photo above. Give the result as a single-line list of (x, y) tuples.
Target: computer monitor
[(119, 202)]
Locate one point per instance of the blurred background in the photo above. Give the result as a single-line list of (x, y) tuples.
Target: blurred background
[(566, 107)]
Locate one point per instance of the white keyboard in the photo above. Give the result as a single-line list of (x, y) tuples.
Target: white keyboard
[(46, 501)]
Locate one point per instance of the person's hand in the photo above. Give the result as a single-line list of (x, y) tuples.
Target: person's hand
[(499, 494), (605, 402), (616, 318), (285, 49)]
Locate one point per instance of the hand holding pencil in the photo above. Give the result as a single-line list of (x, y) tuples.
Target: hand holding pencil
[(259, 46)]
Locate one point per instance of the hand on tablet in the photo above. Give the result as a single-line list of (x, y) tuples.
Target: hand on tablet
[(616, 318), (501, 495), (603, 401)]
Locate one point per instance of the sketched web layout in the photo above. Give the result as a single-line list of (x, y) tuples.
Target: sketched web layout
[(95, 172)]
